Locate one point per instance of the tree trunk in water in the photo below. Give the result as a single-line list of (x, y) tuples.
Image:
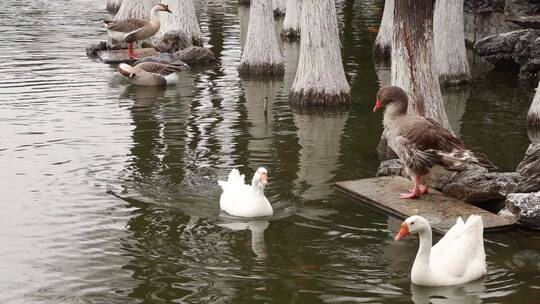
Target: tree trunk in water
[(183, 19), (412, 64), (320, 79), (449, 38), (279, 7), (382, 47), (243, 15), (291, 24), (138, 9), (113, 6), (261, 55), (533, 117)]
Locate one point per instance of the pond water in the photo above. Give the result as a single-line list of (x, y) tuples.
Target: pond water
[(75, 134)]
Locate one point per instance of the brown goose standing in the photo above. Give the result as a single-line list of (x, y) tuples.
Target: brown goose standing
[(133, 30), (421, 143), (150, 73)]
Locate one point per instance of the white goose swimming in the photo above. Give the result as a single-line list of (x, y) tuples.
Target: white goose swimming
[(239, 199), (457, 258)]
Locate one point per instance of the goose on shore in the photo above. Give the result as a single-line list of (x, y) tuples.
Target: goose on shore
[(458, 258), (421, 143), (239, 199), (133, 30), (150, 73)]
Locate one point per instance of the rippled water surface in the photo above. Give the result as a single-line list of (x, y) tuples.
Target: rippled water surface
[(109, 193)]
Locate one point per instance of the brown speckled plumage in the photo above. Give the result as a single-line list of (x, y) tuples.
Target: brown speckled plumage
[(421, 142)]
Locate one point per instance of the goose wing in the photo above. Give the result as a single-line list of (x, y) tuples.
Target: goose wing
[(415, 159), (463, 254), (159, 68), (125, 26), (425, 133), (429, 138)]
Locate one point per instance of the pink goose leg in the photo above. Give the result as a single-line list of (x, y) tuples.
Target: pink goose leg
[(416, 191), (131, 54)]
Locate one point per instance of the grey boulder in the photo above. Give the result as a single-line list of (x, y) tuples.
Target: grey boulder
[(524, 208)]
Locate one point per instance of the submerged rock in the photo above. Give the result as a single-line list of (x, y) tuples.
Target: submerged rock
[(478, 185), (93, 49), (171, 42), (484, 6), (391, 167), (196, 54), (525, 13), (524, 207), (473, 186), (529, 170), (517, 49), (192, 55)]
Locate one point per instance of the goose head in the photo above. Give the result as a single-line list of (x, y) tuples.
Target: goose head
[(126, 70), (391, 96), (160, 7), (260, 178), (412, 225)]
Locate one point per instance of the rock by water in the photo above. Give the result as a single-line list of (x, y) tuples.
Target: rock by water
[(524, 207)]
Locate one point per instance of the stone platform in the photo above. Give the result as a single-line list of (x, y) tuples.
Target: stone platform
[(441, 211), (121, 56)]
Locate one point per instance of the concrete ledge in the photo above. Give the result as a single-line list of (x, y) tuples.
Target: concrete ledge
[(441, 211)]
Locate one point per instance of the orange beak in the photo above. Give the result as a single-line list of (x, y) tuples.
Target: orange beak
[(264, 179), (377, 106), (404, 231)]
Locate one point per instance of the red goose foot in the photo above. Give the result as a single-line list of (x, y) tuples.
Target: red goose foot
[(424, 189), (409, 195)]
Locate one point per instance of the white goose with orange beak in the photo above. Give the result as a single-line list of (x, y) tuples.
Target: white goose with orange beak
[(239, 199), (458, 258)]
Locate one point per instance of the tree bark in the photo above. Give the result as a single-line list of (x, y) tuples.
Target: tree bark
[(320, 79), (449, 38), (261, 55), (139, 9), (412, 64), (113, 6), (382, 47), (291, 24), (279, 7), (183, 18), (533, 117)]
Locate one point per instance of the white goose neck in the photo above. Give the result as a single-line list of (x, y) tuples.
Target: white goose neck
[(154, 15), (255, 185), (424, 250)]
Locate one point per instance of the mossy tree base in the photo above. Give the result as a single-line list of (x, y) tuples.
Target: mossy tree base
[(307, 98)]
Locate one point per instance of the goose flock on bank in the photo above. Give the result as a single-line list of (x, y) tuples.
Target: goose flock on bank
[(421, 144)]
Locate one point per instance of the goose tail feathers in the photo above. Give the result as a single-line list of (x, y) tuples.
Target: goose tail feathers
[(460, 160)]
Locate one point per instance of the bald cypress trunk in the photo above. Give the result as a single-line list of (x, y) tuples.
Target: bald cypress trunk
[(320, 78), (139, 9), (413, 68), (279, 7), (291, 24), (113, 6), (182, 18), (449, 40), (261, 55), (533, 117), (382, 47)]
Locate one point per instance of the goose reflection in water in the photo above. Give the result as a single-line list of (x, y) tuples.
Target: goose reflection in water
[(460, 294), (257, 228)]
